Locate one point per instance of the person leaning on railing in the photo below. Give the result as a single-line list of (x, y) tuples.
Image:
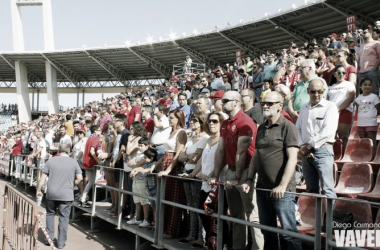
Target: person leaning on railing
[(190, 156), (205, 167)]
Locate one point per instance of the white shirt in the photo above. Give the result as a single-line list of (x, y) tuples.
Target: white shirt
[(42, 146), (191, 148), (79, 147), (367, 115), (338, 93), (318, 124), (161, 134), (66, 140)]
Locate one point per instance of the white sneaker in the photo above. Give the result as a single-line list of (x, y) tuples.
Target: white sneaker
[(144, 224), (134, 222)]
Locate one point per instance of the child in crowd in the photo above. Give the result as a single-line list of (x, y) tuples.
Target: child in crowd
[(139, 185), (267, 85), (368, 110), (150, 181)]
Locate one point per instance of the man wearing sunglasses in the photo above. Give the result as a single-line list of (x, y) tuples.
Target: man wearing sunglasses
[(317, 125), (275, 162), (236, 147)]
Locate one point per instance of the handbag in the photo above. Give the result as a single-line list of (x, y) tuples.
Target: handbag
[(342, 220)]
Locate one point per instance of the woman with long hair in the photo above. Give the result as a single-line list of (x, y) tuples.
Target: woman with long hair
[(351, 72), (169, 165)]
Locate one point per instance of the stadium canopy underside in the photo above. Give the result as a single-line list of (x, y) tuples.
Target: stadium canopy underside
[(122, 66)]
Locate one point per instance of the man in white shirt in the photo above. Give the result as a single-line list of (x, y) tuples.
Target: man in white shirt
[(161, 130), (65, 139), (316, 126)]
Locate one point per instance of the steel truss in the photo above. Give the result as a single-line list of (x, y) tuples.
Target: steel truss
[(364, 19), (123, 77), (297, 34), (158, 66), (210, 62), (251, 49), (68, 73)]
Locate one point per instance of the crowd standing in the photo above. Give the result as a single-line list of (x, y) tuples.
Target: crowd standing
[(243, 124)]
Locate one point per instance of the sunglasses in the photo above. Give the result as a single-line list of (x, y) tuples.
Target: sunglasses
[(269, 104), (213, 121), (313, 92), (228, 100), (341, 73)]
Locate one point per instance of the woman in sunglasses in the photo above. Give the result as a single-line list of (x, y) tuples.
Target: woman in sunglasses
[(342, 93), (205, 165), (190, 156), (348, 62)]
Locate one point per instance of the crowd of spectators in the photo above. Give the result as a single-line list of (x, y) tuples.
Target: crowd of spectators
[(214, 126), (10, 109)]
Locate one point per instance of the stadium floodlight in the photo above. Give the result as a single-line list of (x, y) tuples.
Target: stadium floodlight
[(280, 10), (294, 6), (150, 40), (183, 34), (172, 36), (266, 14), (105, 45), (160, 38), (195, 32), (241, 21), (128, 43), (306, 1), (84, 46)]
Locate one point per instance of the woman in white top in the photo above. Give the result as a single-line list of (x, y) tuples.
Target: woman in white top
[(205, 165), (190, 156), (169, 165), (342, 93)]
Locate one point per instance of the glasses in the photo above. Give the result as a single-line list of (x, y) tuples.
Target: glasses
[(341, 73), (213, 121), (224, 101), (313, 92), (194, 120), (269, 104)]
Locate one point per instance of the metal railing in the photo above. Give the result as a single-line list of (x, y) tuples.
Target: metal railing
[(19, 220)]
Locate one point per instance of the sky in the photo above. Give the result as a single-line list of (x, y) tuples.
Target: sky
[(96, 23)]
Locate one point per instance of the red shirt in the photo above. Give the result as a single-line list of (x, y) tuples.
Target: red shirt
[(131, 116), (17, 148), (287, 116), (290, 81), (124, 112), (88, 160), (231, 130), (149, 125)]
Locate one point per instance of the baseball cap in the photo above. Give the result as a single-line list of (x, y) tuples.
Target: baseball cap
[(80, 130), (174, 90), (334, 35), (218, 94), (205, 90)]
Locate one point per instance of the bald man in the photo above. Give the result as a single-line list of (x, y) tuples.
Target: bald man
[(275, 162), (317, 125), (235, 148)]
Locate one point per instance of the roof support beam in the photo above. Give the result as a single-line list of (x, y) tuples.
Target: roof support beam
[(210, 62), (66, 72), (33, 80), (119, 74), (158, 66), (363, 19), (242, 44), (299, 35)]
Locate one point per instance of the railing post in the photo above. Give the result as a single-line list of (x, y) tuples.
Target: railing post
[(328, 222), (121, 197), (318, 218), (5, 219), (160, 218), (220, 221), (158, 209)]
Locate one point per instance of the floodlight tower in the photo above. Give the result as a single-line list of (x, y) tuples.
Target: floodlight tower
[(21, 70)]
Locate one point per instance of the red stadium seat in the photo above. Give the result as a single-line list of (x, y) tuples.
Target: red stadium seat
[(357, 150), (354, 131), (375, 194), (338, 149), (355, 179), (307, 213)]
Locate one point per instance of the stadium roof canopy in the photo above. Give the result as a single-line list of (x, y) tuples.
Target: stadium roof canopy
[(133, 64)]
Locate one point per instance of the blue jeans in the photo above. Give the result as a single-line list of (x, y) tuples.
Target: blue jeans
[(318, 171), (284, 209)]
